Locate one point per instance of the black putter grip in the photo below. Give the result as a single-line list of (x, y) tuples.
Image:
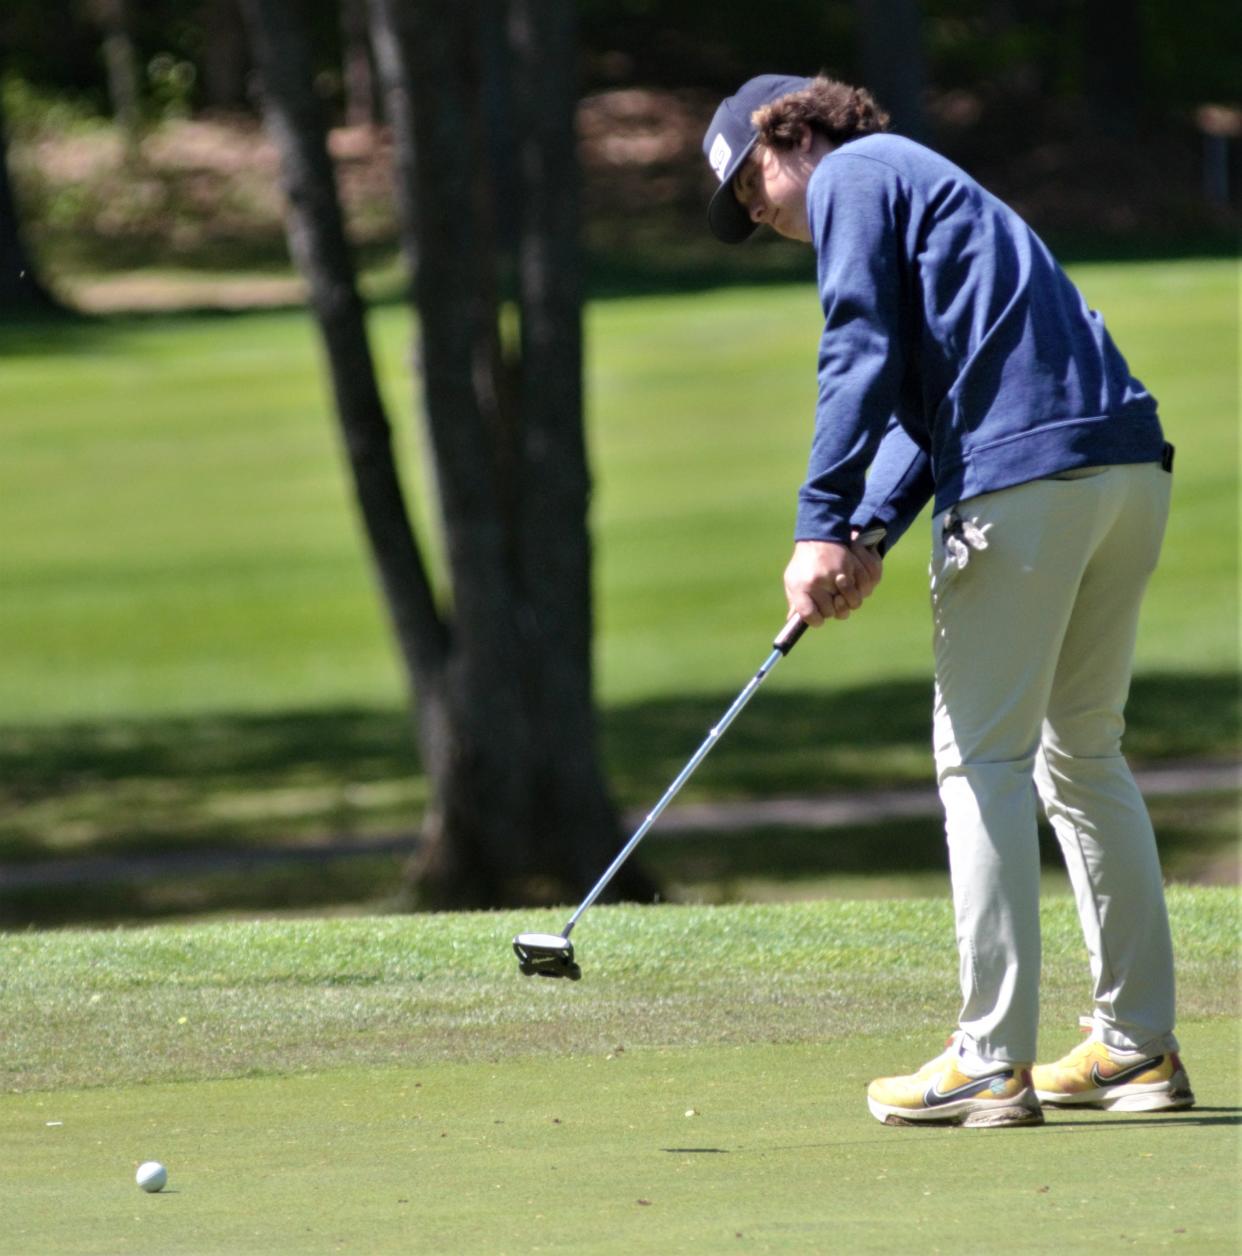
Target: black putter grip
[(789, 636), (795, 626)]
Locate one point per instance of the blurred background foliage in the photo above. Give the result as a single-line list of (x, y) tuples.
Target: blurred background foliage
[(1112, 125), (1188, 51)]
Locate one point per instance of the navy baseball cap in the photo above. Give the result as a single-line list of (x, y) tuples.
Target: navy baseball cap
[(728, 143)]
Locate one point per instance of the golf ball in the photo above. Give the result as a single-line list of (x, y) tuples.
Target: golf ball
[(151, 1176)]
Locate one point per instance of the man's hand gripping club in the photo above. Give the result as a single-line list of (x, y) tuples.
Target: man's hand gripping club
[(828, 580)]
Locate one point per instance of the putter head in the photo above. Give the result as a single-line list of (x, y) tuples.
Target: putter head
[(546, 955)]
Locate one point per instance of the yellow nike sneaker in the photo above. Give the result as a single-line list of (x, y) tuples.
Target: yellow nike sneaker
[(941, 1093), (1095, 1075)]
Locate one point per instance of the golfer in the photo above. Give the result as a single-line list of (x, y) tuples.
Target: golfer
[(958, 364)]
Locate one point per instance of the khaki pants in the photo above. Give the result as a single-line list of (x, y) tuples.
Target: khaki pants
[(1035, 597)]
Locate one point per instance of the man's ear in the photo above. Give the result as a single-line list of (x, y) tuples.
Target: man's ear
[(805, 139)]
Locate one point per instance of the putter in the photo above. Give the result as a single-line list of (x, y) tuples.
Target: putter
[(552, 954)]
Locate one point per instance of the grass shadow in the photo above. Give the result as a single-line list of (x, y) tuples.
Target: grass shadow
[(876, 735), (350, 775)]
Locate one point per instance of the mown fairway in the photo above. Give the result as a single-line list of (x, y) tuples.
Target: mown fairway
[(193, 653), (394, 1085), (179, 536)]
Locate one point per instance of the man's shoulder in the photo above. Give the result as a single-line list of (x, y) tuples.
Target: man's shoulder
[(904, 156), (888, 166), (862, 170)]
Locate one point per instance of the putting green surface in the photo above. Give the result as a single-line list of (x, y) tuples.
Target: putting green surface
[(757, 1148), (392, 1084)]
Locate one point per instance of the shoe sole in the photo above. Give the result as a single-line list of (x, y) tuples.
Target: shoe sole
[(1021, 1110), (1174, 1095), (1140, 1101)]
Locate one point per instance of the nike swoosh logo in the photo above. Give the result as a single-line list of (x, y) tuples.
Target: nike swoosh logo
[(934, 1098), (1119, 1079)]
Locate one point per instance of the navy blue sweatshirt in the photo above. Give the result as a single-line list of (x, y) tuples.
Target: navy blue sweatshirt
[(957, 357)]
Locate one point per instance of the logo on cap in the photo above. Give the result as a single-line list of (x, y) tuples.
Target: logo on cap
[(718, 157)]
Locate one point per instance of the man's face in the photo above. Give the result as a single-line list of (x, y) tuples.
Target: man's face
[(771, 186)]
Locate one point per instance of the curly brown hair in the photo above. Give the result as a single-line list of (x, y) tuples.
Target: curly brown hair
[(833, 109)]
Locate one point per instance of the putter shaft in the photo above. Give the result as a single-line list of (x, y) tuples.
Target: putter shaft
[(785, 641), (684, 775)]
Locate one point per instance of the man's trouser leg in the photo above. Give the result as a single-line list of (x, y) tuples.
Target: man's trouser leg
[(1090, 796), (1002, 624)]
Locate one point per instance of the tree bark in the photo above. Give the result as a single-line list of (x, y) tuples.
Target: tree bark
[(502, 691), (894, 65), (356, 71), (121, 67), (21, 292), (478, 846), (317, 240), (555, 552), (225, 59)]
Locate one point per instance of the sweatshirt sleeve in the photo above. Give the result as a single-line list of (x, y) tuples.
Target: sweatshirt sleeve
[(853, 207), (899, 485)]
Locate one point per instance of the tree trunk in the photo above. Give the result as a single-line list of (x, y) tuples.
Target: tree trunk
[(1113, 64), (225, 59), (519, 812), (555, 552), (356, 72), (121, 67), (894, 65), (398, 111), (20, 289), (506, 431), (477, 848), (318, 243)]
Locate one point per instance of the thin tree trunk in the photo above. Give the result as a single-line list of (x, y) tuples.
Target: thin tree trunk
[(556, 550), (398, 111), (480, 844), (356, 73), (225, 59), (894, 64), (318, 243), (506, 433), (21, 291), (121, 66)]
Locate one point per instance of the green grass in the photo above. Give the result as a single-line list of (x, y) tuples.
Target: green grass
[(310, 775), (178, 1003), (722, 384), (599, 1155), (193, 654), (158, 786), (393, 1084), (179, 537)]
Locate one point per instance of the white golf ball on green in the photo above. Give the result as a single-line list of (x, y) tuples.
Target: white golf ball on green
[(152, 1176)]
